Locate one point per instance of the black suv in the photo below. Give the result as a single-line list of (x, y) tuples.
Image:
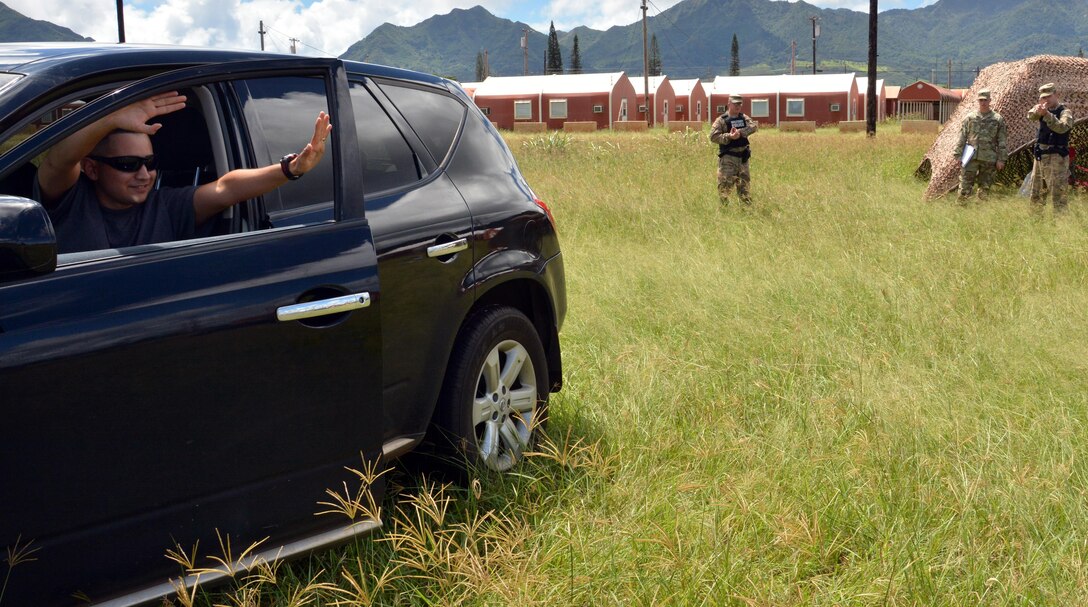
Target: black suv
[(410, 286)]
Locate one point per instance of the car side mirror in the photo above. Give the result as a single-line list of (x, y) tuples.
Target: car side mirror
[(28, 244)]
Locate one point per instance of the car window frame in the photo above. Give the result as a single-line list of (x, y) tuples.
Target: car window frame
[(434, 90), (347, 187), (424, 164), (373, 84)]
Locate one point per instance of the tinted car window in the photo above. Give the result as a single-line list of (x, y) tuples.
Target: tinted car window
[(388, 161), (283, 111), (434, 116)]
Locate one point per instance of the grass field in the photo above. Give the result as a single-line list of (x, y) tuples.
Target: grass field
[(843, 395)]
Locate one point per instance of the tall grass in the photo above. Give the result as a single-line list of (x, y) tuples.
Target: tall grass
[(841, 395)]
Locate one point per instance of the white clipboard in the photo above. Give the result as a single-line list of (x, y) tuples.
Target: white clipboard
[(968, 154)]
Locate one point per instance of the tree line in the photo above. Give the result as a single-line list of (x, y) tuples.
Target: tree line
[(553, 58)]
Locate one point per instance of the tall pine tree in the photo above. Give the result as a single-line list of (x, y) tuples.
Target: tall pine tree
[(655, 66), (734, 62), (576, 58), (553, 63)]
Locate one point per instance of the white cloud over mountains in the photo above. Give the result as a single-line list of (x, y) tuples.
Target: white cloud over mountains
[(326, 27)]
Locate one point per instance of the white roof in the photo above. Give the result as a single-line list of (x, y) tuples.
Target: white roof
[(863, 84), (683, 88), (499, 86), (783, 83), (639, 83)]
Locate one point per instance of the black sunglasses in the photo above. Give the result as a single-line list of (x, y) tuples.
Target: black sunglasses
[(129, 164)]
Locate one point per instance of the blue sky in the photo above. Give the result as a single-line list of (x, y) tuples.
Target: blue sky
[(329, 27)]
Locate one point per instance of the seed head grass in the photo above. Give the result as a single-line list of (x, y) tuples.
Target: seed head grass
[(840, 395)]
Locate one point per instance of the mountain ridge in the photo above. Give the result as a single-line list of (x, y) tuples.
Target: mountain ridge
[(695, 35), (16, 27)]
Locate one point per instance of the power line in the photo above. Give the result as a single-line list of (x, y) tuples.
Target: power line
[(291, 38)]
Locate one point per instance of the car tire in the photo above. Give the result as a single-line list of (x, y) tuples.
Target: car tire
[(495, 395)]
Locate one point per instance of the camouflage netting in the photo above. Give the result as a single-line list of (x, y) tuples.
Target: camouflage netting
[(1014, 87)]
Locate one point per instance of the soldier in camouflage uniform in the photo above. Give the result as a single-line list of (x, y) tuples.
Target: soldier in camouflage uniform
[(730, 132), (1051, 170), (985, 131)]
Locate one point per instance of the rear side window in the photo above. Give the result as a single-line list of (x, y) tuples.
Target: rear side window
[(388, 160), (435, 116), (280, 113)]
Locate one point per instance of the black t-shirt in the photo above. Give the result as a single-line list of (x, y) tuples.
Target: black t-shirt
[(82, 224)]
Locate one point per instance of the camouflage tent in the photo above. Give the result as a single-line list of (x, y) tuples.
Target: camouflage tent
[(1014, 87)]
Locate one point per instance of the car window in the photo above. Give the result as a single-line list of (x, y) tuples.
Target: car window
[(388, 160), (435, 117), (280, 113), (19, 182), (184, 155)]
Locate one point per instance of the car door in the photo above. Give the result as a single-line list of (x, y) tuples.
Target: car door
[(161, 395), (423, 233)]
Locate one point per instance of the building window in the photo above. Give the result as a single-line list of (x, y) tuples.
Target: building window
[(795, 108), (721, 109), (523, 110), (557, 108), (486, 111), (835, 107), (761, 108), (642, 109), (679, 108), (598, 109), (698, 110)]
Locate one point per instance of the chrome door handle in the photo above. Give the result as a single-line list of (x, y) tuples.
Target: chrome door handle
[(321, 307), (448, 248)]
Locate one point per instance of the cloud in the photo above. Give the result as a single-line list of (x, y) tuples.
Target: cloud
[(599, 15), (329, 27), (322, 27)]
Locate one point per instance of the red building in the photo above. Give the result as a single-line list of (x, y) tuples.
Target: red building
[(821, 98), (662, 97), (692, 102), (863, 93), (891, 100), (924, 101), (556, 98)]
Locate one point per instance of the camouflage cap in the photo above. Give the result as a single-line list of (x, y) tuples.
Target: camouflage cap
[(984, 94), (1046, 90), (735, 99)]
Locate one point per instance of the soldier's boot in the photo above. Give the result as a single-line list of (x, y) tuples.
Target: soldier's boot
[(743, 193), (982, 194)]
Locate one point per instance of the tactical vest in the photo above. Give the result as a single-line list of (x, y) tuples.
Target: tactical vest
[(740, 122), (1049, 137)]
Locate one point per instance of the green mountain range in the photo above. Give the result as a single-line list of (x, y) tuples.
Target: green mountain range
[(16, 27), (947, 41)]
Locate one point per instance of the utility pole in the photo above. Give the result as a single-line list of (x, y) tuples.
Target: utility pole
[(525, 48), (294, 49), (645, 65), (870, 93), (815, 34), (120, 21), (262, 32), (949, 73), (487, 66), (793, 57)]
